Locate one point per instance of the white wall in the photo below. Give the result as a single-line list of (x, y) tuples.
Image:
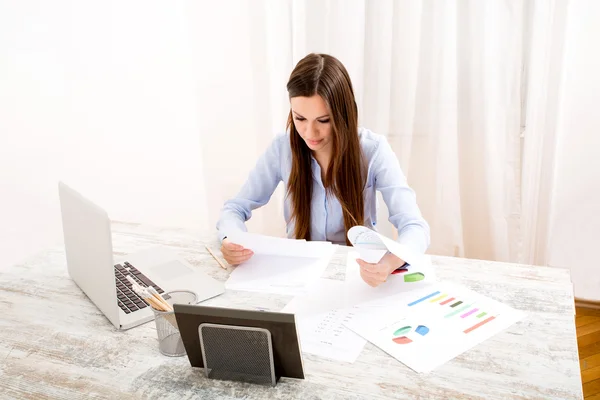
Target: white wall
[(134, 103), (575, 222)]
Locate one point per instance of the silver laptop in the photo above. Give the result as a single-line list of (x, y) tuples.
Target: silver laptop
[(88, 246)]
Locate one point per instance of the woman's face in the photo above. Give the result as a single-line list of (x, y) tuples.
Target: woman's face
[(313, 122)]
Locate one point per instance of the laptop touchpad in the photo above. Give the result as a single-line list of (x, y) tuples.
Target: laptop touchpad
[(171, 270)]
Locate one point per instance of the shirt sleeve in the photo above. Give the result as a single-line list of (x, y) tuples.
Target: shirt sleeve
[(400, 199), (256, 192)]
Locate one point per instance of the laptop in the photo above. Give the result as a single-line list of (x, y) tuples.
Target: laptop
[(90, 263)]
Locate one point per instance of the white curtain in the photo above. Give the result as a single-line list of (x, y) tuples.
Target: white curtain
[(545, 53)]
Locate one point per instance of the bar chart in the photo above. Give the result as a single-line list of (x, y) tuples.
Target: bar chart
[(457, 307)]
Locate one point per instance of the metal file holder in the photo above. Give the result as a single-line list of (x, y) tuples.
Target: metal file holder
[(237, 353)]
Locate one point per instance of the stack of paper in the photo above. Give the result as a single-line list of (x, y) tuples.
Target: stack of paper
[(283, 266)]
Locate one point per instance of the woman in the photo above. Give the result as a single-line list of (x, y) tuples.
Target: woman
[(331, 170)]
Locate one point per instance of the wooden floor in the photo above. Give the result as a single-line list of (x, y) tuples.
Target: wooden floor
[(587, 321)]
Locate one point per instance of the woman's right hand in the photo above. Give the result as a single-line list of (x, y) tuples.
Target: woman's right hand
[(235, 254)]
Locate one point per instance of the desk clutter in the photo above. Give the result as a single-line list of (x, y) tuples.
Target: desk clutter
[(414, 318)]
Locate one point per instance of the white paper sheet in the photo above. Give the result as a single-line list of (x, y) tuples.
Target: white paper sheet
[(277, 274), (270, 245), (427, 327), (326, 336), (282, 266), (320, 325), (363, 237), (322, 296)]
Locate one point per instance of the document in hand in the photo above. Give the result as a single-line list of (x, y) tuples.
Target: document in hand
[(401, 280), (363, 237), (284, 266)]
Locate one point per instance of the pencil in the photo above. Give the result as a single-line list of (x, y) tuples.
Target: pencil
[(159, 298), (215, 257), (155, 304)]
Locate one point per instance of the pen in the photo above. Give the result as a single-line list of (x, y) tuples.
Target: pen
[(215, 257)]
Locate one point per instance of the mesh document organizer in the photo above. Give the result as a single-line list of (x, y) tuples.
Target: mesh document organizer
[(237, 353)]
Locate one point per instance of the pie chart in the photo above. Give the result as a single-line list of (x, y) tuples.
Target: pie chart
[(407, 334)]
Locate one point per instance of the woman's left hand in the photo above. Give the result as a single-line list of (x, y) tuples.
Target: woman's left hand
[(376, 274)]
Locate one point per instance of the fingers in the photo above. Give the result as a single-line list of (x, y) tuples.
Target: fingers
[(231, 246), (369, 280), (366, 276), (373, 274), (234, 253), (373, 269), (234, 250), (238, 259), (368, 266)]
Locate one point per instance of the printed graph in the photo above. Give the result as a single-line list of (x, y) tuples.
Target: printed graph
[(426, 327), (465, 310), (407, 334)]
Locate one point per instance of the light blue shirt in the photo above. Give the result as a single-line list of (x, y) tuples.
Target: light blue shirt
[(327, 222)]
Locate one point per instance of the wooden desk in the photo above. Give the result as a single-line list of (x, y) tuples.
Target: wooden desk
[(54, 343)]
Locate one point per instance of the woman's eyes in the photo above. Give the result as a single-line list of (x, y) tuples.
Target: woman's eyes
[(323, 121)]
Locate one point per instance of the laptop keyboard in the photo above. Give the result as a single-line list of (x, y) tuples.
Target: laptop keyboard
[(127, 299)]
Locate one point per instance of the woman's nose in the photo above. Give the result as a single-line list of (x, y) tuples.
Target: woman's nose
[(311, 131)]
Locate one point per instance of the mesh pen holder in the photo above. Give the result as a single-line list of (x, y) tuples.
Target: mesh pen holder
[(237, 353), (169, 338)]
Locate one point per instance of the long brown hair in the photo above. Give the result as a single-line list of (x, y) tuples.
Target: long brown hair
[(326, 76)]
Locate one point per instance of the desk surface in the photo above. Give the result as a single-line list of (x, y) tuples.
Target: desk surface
[(54, 343)]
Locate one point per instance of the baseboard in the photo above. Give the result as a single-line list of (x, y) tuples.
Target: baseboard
[(587, 303)]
